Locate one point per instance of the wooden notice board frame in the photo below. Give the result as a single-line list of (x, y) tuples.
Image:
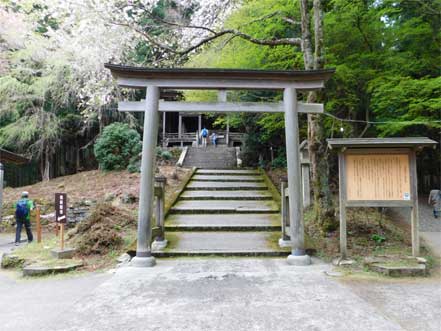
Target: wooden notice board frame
[(379, 153), (411, 202)]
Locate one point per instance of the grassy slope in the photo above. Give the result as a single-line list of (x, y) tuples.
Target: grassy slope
[(92, 185)]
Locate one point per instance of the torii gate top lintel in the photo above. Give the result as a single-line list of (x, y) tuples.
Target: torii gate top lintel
[(196, 78)]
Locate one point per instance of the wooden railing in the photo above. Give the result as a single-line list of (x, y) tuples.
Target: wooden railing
[(190, 137)]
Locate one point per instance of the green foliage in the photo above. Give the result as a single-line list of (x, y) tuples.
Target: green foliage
[(279, 161), (386, 55), (413, 104), (379, 239), (166, 155), (116, 146)]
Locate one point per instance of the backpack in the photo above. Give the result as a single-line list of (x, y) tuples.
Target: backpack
[(22, 211), (204, 133)]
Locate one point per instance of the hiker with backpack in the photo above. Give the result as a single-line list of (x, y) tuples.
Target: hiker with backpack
[(204, 136), (23, 209)]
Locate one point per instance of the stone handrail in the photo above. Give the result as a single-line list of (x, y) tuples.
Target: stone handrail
[(158, 233)]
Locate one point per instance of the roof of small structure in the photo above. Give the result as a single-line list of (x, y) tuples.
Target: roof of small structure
[(380, 142), (196, 73), (9, 157)]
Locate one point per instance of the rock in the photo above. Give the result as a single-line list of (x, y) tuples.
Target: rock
[(128, 198), (109, 197), (85, 202), (11, 261), (342, 262), (125, 258), (66, 253), (35, 270), (400, 271), (333, 273), (421, 260), (369, 260)]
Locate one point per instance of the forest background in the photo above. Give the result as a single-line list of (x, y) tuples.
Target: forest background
[(56, 97)]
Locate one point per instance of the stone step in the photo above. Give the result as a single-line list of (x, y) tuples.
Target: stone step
[(215, 165), (223, 222), (223, 243), (231, 172), (212, 186), (227, 178), (226, 195), (224, 207), (211, 157)]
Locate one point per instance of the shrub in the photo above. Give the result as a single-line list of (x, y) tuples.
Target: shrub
[(279, 162), (116, 146), (166, 155)]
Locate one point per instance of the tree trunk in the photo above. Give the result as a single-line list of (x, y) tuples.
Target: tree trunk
[(47, 164), (323, 204), (306, 35)]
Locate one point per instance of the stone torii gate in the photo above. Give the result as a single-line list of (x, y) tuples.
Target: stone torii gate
[(152, 80)]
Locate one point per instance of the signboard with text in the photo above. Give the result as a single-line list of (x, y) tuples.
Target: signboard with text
[(61, 207), (378, 177)]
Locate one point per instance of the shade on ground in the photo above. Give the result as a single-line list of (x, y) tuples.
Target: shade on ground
[(230, 221), (222, 243), (225, 195), (227, 178), (225, 206), (227, 171), (210, 186)]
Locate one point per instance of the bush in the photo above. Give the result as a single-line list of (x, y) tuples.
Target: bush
[(166, 155), (116, 146), (279, 162)]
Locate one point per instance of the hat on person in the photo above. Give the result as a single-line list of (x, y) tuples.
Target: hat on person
[(24, 194)]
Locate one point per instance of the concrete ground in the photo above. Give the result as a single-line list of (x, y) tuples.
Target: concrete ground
[(32, 304), (221, 294)]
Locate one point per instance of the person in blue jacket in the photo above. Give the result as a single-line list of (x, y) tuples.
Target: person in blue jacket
[(23, 209)]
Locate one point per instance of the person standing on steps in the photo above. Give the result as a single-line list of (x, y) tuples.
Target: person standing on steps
[(435, 200), (23, 209), (204, 136), (213, 139)]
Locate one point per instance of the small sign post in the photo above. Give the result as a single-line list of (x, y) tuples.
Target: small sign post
[(61, 214)]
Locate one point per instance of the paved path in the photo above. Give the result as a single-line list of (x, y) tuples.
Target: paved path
[(36, 303), (250, 295)]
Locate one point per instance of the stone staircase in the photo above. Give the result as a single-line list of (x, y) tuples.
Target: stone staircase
[(210, 157), (226, 212)]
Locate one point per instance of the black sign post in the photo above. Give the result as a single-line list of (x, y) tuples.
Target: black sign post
[(61, 214)]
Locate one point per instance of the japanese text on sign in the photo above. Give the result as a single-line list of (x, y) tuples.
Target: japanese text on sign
[(60, 207), (378, 177)]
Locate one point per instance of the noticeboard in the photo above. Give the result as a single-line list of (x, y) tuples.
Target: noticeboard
[(60, 207), (378, 177)]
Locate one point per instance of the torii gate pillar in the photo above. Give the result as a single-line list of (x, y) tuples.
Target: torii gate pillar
[(144, 257), (298, 255)]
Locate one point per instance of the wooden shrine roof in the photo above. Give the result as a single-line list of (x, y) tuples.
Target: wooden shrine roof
[(204, 73), (380, 142), (9, 157)]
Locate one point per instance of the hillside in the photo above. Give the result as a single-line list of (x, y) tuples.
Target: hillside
[(90, 186)]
